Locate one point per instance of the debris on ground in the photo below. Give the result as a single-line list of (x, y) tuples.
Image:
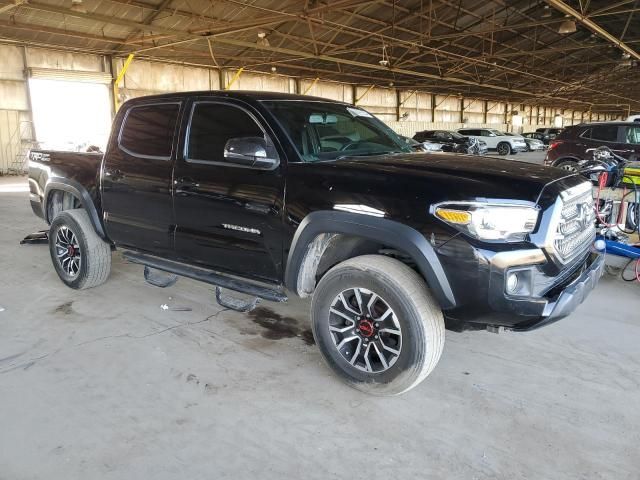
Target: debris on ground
[(164, 306)]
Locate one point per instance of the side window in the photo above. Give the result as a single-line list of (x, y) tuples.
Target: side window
[(605, 133), (148, 130), (212, 124), (632, 135), (586, 133), (485, 133)]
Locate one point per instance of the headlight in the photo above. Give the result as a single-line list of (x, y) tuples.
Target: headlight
[(486, 221)]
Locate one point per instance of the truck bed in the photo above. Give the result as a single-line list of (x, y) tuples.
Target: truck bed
[(52, 167)]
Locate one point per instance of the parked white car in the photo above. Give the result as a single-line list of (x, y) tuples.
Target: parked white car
[(496, 140)]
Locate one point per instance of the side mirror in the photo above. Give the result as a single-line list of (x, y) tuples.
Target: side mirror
[(251, 152)]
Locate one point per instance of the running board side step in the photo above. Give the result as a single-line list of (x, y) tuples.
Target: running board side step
[(206, 276)]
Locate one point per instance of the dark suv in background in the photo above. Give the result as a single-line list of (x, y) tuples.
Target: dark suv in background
[(572, 144)]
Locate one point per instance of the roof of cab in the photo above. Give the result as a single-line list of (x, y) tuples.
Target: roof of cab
[(238, 94)]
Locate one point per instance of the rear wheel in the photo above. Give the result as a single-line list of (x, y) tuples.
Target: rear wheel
[(377, 325), (504, 148), (568, 165), (81, 258)]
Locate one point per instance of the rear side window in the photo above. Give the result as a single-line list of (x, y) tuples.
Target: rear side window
[(212, 125), (632, 135), (148, 130), (605, 133)]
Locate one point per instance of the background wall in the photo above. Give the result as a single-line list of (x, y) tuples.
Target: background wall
[(406, 111)]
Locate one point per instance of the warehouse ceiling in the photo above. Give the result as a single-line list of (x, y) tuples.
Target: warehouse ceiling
[(494, 49)]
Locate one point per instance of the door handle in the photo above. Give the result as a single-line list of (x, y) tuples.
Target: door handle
[(114, 175)]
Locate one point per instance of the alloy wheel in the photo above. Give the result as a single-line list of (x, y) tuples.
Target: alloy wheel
[(503, 149), (365, 330), (68, 251)]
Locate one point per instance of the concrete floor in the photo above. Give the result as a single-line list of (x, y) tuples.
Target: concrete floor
[(103, 383)]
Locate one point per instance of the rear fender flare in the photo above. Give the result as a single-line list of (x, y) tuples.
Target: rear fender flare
[(81, 193), (382, 230)]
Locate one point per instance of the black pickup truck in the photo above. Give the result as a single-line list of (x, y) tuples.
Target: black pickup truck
[(272, 194)]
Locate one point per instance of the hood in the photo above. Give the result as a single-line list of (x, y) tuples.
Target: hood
[(461, 176)]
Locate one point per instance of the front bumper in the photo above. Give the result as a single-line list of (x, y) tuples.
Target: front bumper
[(550, 295), (571, 296)]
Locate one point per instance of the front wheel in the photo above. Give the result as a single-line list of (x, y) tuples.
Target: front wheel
[(377, 325), (81, 258), (504, 148)]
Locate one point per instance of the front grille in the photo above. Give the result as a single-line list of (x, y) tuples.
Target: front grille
[(576, 229)]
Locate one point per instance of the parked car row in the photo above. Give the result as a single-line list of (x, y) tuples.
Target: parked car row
[(487, 139), (451, 142)]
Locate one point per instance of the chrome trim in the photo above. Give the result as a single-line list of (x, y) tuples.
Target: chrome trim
[(516, 258)]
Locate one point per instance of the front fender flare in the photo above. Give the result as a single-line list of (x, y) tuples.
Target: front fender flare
[(382, 230)]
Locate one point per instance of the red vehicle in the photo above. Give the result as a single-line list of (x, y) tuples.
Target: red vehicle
[(571, 146)]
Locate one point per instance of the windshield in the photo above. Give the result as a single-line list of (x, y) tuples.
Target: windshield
[(330, 131)]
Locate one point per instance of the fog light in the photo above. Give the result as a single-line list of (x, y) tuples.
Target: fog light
[(512, 282)]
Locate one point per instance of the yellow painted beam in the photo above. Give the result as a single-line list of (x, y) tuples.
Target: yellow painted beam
[(315, 80), (363, 95), (119, 78), (235, 78)]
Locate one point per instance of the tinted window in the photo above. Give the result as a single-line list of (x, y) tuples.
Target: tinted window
[(605, 133), (212, 124), (148, 130), (469, 132), (632, 135)]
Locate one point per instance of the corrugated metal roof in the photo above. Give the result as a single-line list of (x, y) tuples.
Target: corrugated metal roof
[(500, 49)]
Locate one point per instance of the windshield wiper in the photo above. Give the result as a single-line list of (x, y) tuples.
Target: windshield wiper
[(370, 154)]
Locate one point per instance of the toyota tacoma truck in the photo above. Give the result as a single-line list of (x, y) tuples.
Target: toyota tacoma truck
[(272, 195)]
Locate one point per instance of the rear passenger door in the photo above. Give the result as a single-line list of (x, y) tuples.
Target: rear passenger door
[(229, 216), (136, 177)]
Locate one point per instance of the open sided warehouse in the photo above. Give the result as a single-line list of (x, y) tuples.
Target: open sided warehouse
[(320, 239)]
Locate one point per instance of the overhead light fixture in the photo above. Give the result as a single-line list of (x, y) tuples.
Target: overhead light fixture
[(566, 27), (546, 12), (262, 39), (77, 6), (414, 48), (626, 56), (273, 69), (384, 62)]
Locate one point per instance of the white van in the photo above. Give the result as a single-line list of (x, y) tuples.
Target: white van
[(633, 118)]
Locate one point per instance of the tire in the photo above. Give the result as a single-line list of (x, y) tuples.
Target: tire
[(87, 260), (568, 165), (503, 148), (414, 314)]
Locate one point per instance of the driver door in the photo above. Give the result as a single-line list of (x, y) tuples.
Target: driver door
[(229, 215)]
